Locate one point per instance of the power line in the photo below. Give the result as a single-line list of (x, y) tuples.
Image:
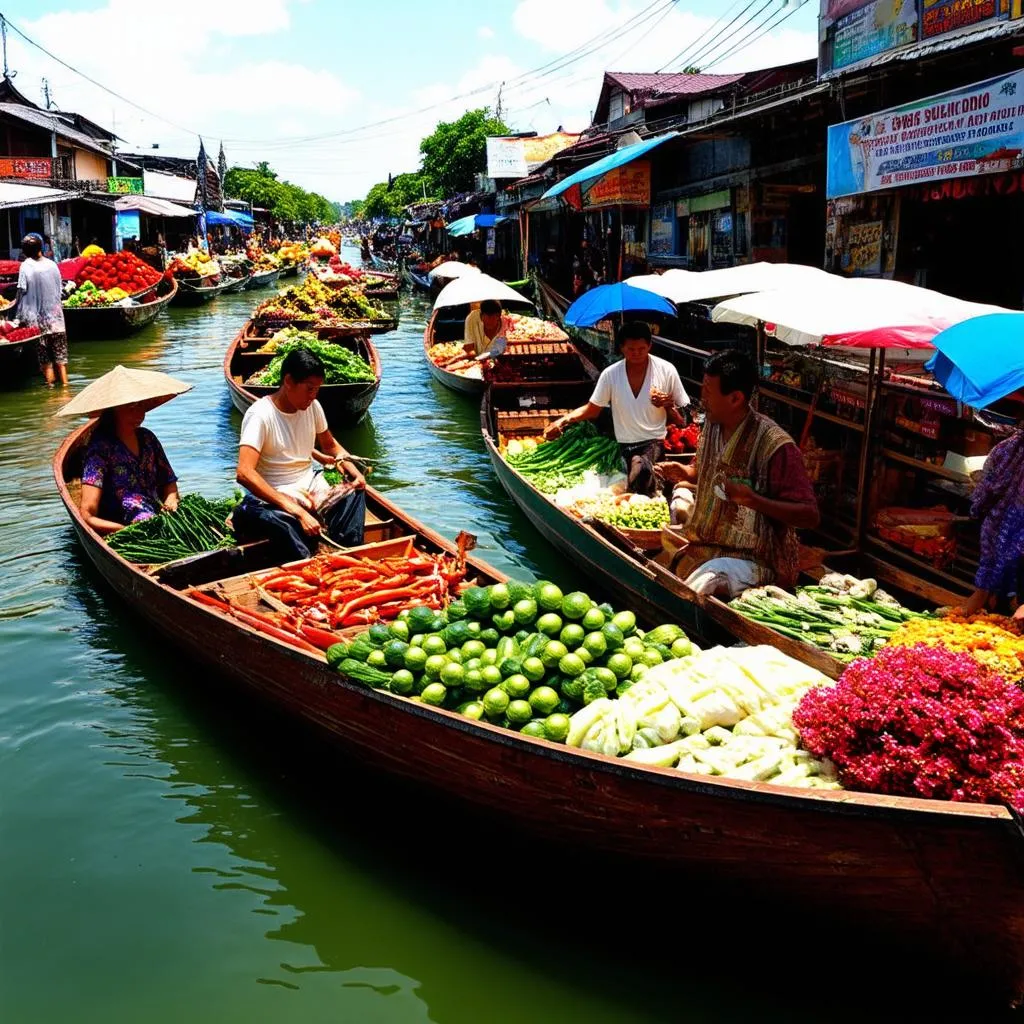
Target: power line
[(723, 39), (684, 54), (785, 16)]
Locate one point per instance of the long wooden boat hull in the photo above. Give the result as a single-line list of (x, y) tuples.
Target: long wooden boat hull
[(100, 323), (463, 385), (263, 279), (344, 405), (290, 270), (421, 281), (17, 359), (946, 879), (190, 295)]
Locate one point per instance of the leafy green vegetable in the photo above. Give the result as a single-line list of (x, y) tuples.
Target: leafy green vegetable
[(341, 364)]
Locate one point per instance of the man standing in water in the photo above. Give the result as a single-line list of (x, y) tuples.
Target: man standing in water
[(39, 305), (644, 394)]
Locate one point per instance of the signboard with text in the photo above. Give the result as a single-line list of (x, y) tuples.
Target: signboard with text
[(26, 167), (629, 185), (853, 31), (966, 132), (125, 186), (510, 157)]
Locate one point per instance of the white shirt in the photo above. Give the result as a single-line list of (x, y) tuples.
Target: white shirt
[(285, 441), (476, 336), (635, 418)]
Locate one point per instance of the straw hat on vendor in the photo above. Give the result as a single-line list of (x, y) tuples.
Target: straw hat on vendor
[(126, 476)]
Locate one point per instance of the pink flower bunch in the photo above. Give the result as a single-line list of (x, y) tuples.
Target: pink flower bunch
[(923, 722)]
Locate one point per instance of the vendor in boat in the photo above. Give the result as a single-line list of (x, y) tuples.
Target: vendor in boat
[(126, 477), (644, 394), (486, 331), (752, 490), (289, 502)]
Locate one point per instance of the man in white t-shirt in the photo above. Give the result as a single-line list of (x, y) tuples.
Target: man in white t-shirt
[(644, 394), (288, 500)]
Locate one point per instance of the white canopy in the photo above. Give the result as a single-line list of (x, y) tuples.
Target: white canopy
[(668, 285), (750, 277), (452, 269), (477, 288), (857, 312)]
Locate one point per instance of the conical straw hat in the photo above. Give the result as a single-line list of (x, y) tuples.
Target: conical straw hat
[(122, 386)]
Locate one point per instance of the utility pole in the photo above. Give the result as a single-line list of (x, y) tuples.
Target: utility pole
[(497, 112), (3, 33), (47, 95)]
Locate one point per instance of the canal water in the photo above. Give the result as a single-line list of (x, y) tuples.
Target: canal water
[(168, 853)]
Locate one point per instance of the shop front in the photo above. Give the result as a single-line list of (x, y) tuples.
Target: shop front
[(919, 192)]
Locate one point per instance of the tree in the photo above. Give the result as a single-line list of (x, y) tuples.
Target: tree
[(261, 186), (457, 150), (382, 201)]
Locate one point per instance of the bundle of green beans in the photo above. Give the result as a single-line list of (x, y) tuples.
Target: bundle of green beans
[(561, 463), (196, 526)]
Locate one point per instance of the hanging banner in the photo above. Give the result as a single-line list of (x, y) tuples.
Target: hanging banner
[(941, 16), (26, 167), (125, 186), (663, 229), (126, 227), (629, 185), (961, 133)]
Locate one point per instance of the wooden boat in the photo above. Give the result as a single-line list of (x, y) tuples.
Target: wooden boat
[(196, 293), (419, 279), (289, 269), (440, 330), (344, 404), (99, 323), (17, 359), (237, 282), (606, 554), (946, 880), (263, 279)]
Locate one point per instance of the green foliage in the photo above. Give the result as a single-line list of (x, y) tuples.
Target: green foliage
[(384, 202), (457, 150), (262, 187)]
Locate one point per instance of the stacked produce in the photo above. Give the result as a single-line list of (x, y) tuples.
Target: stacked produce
[(323, 248), (445, 350), (920, 721), (10, 333), (682, 439), (194, 265), (314, 301), (724, 712), (531, 328), (197, 525), (341, 364), (997, 642), (292, 253), (842, 615), (88, 295), (122, 270), (10, 268), (564, 462), (520, 655), (621, 509)]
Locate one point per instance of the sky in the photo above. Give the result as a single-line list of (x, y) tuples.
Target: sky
[(337, 95)]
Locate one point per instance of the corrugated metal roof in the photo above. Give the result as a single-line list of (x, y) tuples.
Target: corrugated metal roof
[(14, 196), (677, 84), (51, 122)]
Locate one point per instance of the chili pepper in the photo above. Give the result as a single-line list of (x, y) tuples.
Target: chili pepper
[(318, 637), (207, 599), (257, 623), (378, 598), (281, 582)]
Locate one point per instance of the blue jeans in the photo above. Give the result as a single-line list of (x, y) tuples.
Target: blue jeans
[(254, 519)]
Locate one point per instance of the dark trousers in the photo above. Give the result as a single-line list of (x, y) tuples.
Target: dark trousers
[(640, 460), (256, 520)]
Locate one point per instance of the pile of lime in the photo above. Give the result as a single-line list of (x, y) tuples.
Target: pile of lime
[(520, 655)]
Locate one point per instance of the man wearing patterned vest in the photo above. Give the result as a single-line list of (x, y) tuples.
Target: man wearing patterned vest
[(752, 490)]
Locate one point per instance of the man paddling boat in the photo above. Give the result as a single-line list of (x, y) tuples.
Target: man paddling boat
[(289, 502), (644, 394), (752, 490)]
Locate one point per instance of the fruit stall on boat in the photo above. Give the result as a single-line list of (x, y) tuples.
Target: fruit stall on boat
[(430, 666), (313, 304), (253, 360)]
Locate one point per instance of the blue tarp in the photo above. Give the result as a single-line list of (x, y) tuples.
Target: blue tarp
[(612, 300), (608, 163), (981, 360), (467, 225), (234, 218)]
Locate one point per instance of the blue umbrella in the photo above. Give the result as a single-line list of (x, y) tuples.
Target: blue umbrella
[(981, 360), (615, 300)]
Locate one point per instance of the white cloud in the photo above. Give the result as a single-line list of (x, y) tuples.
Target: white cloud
[(485, 32)]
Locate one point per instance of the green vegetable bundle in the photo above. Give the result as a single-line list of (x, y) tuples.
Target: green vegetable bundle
[(342, 365), (562, 463), (198, 525), (637, 515)]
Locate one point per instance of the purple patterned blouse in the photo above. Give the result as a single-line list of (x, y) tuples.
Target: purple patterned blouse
[(998, 502), (131, 484)]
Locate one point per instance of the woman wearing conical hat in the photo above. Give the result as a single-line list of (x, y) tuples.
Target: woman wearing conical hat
[(126, 477)]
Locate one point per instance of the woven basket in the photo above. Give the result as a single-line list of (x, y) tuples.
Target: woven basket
[(645, 540)]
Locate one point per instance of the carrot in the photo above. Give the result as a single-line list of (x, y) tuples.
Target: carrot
[(283, 582), (278, 634), (377, 598), (318, 637), (207, 599)]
